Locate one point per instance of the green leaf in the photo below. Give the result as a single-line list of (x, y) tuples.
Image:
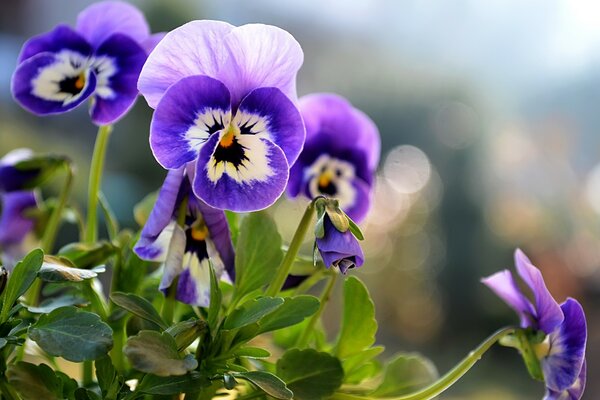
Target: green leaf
[(252, 352), (293, 311), (268, 383), (20, 280), (43, 167), (355, 229), (251, 311), (360, 366), (85, 394), (310, 374), (112, 224), (156, 385), (138, 306), (185, 332), (72, 334), (156, 353), (358, 320), (406, 373), (258, 253), (229, 381), (52, 304), (216, 298), (54, 270), (87, 255), (35, 382), (108, 379)]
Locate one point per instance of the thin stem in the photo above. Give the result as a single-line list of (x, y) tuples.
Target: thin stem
[(95, 180), (311, 281), (439, 386), (88, 373), (309, 328), (290, 256)]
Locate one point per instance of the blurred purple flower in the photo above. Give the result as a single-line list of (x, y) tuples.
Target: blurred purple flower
[(15, 224), (187, 251), (225, 101), (339, 249), (100, 59), (11, 178), (340, 154), (562, 353)]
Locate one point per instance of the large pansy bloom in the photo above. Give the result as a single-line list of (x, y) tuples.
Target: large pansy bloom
[(340, 154), (100, 58), (225, 103), (187, 251), (562, 353)]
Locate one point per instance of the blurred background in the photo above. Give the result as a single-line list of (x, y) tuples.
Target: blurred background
[(490, 127)]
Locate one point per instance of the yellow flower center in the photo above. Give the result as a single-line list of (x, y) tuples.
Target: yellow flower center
[(199, 231), (227, 138), (325, 179)]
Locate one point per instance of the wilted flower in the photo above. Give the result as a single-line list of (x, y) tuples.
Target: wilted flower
[(561, 353), (225, 102), (340, 154), (101, 58), (188, 251)]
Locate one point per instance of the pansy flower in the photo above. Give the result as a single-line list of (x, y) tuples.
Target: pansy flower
[(225, 104), (339, 249), (188, 251), (562, 352), (340, 154), (100, 59)]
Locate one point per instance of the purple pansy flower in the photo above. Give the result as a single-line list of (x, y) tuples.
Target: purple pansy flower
[(15, 224), (339, 249), (11, 178), (562, 353), (187, 251), (225, 103), (100, 58), (340, 154)]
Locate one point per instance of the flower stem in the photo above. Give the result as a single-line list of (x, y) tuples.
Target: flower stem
[(439, 386), (309, 328), (95, 180), (290, 256)]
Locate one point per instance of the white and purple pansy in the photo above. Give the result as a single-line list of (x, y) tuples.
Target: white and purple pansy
[(99, 59), (187, 251), (340, 154), (562, 352), (225, 104)]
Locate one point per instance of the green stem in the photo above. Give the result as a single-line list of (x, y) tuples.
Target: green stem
[(95, 180), (310, 327), (87, 373), (311, 281), (439, 386), (290, 256)]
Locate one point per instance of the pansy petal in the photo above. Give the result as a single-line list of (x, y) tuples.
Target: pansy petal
[(161, 215), (575, 392), (362, 201), (254, 184), (503, 284), (190, 111), (50, 83), (260, 56), (548, 313), (14, 225), (567, 348), (193, 286), (101, 20), (173, 266), (192, 49), (11, 178), (268, 113), (151, 41), (59, 39), (339, 248), (117, 65)]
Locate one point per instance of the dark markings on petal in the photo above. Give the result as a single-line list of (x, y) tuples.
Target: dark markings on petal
[(329, 189), (72, 85), (216, 125), (246, 129), (195, 246), (233, 153)]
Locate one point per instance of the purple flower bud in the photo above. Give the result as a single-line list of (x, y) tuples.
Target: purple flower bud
[(339, 249)]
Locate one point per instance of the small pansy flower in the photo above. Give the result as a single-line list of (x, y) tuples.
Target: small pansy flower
[(188, 251), (339, 249), (340, 154), (100, 59), (562, 352), (225, 104)]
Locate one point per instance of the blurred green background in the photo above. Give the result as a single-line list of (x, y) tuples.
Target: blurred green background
[(489, 119)]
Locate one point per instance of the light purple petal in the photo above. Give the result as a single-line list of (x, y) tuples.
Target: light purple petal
[(567, 348), (503, 284), (152, 41), (173, 265), (282, 121), (548, 313), (254, 185), (362, 202), (117, 65), (101, 20), (575, 392), (14, 225), (195, 48), (60, 38), (260, 56), (339, 249), (191, 290), (191, 110)]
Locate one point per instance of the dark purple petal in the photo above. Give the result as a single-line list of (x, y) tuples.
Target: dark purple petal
[(117, 65), (11, 178), (14, 225), (43, 83), (267, 112), (503, 284), (152, 41), (260, 56), (547, 311), (567, 348), (195, 48), (339, 249), (60, 38), (575, 392), (254, 184), (293, 281), (193, 287), (190, 111), (161, 215), (101, 20)]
